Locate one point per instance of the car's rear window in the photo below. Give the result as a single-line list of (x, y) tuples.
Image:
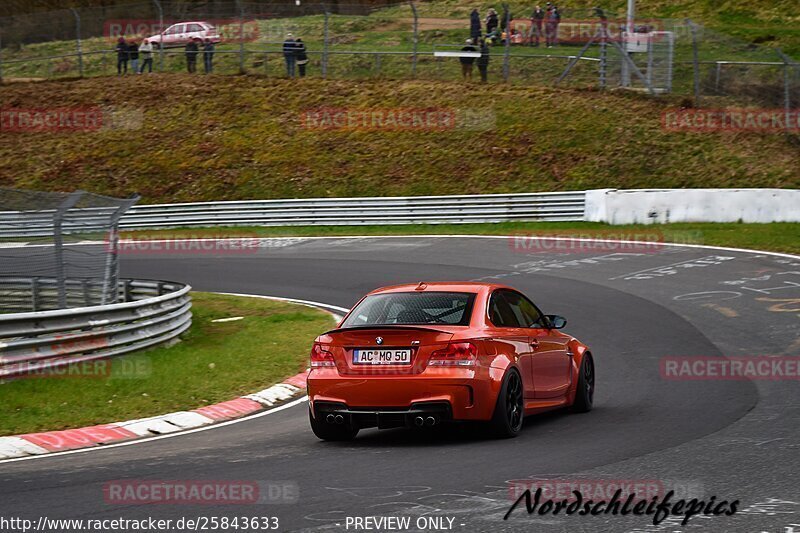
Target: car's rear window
[(413, 308)]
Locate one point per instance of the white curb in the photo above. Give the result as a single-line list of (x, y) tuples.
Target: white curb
[(16, 447)]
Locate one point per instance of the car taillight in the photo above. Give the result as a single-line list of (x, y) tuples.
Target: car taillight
[(320, 357), (455, 354)]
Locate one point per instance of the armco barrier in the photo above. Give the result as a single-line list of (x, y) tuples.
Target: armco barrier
[(603, 205), (32, 342), (559, 206)]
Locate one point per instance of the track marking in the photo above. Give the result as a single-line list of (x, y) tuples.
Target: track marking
[(724, 311)]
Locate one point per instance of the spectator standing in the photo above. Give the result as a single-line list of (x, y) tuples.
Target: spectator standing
[(483, 61), (208, 56), (491, 21), (289, 54), (301, 56), (551, 26), (537, 21), (122, 56), (191, 55), (467, 62), (475, 25), (133, 55), (147, 56)]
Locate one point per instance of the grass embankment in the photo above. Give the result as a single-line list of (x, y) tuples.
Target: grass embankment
[(216, 361), (227, 138), (776, 237)]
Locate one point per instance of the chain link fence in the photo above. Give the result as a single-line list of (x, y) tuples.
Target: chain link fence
[(45, 262), (587, 48)]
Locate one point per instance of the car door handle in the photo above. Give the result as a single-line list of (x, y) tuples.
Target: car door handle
[(534, 344)]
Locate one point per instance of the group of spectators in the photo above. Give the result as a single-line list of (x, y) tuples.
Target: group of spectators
[(130, 51), (544, 23), (295, 56), (192, 49)]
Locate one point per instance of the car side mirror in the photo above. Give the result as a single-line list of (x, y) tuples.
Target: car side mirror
[(556, 321)]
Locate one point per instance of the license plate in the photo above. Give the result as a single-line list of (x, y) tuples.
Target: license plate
[(383, 356)]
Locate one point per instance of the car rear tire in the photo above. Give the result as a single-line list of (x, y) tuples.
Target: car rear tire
[(509, 411), (334, 432), (584, 396)]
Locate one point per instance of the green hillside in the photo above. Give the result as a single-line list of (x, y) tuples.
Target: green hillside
[(238, 137)]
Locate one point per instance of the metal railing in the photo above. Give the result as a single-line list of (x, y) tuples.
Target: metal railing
[(151, 313), (557, 206)]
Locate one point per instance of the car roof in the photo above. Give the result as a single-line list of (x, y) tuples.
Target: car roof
[(443, 286)]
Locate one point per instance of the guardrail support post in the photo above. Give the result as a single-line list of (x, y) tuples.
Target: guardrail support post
[(415, 40), (78, 39), (58, 245), (35, 294)]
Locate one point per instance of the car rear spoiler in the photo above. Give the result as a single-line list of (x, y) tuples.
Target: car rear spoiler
[(387, 326)]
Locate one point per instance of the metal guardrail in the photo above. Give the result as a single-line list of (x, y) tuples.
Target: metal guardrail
[(153, 312), (558, 206)]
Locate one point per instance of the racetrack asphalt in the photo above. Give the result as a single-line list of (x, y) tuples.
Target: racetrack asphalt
[(729, 439)]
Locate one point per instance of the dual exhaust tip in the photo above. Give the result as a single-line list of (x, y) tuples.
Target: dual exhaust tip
[(334, 419), (418, 421), (427, 421)]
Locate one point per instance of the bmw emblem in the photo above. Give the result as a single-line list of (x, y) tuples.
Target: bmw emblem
[(379, 340)]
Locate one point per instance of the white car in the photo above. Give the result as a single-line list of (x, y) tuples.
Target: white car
[(183, 32)]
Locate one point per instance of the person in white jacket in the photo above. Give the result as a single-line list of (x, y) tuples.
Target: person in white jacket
[(146, 51)]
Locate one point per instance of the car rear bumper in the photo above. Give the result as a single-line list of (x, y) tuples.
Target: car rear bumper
[(418, 414), (466, 396)]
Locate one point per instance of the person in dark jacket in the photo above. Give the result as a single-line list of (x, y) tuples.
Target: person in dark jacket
[(537, 21), (467, 62), (553, 19), (300, 56), (122, 56), (491, 21), (208, 56), (133, 55), (475, 26), (289, 54), (483, 61), (191, 55)]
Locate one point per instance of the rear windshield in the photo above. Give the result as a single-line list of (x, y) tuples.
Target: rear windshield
[(413, 308)]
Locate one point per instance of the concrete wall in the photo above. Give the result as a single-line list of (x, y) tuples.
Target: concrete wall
[(649, 206)]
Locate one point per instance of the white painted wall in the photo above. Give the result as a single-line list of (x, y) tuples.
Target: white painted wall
[(649, 206)]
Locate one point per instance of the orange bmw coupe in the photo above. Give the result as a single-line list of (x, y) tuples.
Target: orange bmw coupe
[(431, 353)]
